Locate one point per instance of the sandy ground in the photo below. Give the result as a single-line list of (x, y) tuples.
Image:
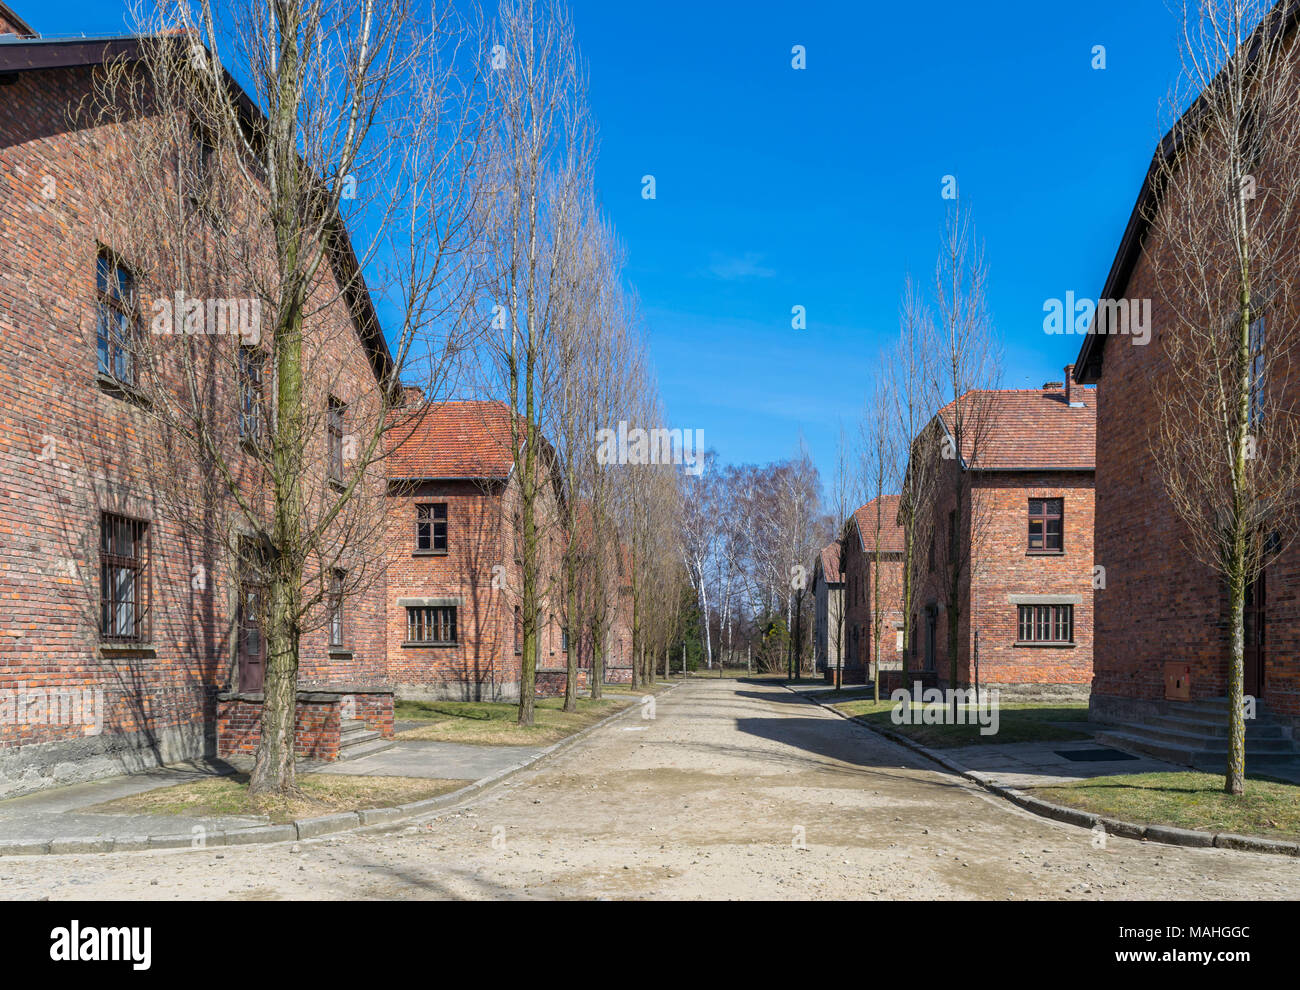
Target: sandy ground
[(733, 791)]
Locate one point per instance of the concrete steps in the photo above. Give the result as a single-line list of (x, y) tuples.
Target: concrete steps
[(1195, 734), (355, 740)]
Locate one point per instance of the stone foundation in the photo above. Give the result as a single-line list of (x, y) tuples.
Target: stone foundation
[(317, 723)]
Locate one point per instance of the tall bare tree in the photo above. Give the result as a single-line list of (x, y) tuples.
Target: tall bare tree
[(349, 144), (914, 404), (964, 371), (541, 154)]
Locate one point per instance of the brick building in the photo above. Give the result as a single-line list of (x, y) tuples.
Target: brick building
[(1025, 540), (1162, 636), (454, 577), (828, 609), (861, 576), (122, 637)]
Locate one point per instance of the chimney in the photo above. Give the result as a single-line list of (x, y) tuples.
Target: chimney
[(1070, 385), (412, 395)]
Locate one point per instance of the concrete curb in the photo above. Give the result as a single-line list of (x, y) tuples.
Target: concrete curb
[(303, 828), (1167, 834)]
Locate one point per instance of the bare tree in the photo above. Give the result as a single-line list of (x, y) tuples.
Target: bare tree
[(1227, 265), (965, 370), (879, 457), (914, 403), (541, 152), (353, 117)]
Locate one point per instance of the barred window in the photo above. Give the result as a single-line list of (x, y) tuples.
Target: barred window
[(115, 322), (336, 607), (252, 395), (434, 625), (431, 527), (124, 578), (334, 426), (1257, 367), (1046, 623)]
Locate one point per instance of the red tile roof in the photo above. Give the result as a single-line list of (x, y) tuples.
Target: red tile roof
[(891, 534), (1031, 429), (830, 557), (452, 440)]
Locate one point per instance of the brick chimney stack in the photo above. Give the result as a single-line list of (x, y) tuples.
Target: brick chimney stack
[(1069, 383), (412, 395)]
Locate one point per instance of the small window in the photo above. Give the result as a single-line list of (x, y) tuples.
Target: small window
[(1045, 525), (115, 323), (252, 395), (431, 625), (252, 604), (931, 553), (519, 631), (336, 607), (1046, 623), (431, 527), (1257, 366), (564, 640), (124, 578), (337, 411)]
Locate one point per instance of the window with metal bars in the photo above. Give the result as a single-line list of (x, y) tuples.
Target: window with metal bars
[(1046, 623), (336, 607), (334, 427), (124, 578), (252, 395), (431, 624)]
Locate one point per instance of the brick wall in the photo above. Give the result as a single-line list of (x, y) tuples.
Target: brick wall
[(1001, 569), (1006, 569), (72, 450), (1159, 602), (480, 573)]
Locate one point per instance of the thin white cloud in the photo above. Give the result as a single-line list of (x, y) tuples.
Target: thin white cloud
[(733, 269)]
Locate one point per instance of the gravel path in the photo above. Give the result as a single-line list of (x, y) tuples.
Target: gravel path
[(708, 800)]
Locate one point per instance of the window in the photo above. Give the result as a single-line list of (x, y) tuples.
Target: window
[(1046, 623), (336, 607), (334, 426), (564, 639), (431, 527), (124, 578), (953, 556), (252, 603), (1045, 520), (931, 555), (115, 323), (434, 625), (519, 631), (252, 395), (1257, 365)]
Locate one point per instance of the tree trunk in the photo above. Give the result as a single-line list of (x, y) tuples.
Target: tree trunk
[(273, 764), (597, 666), (571, 659)]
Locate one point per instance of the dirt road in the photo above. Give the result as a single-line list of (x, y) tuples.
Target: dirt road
[(733, 790)]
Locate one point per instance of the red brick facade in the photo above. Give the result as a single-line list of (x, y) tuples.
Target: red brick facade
[(1002, 573), (478, 571), (72, 450), (1159, 605), (860, 578)]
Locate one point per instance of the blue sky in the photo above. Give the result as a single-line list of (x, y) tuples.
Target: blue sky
[(821, 187)]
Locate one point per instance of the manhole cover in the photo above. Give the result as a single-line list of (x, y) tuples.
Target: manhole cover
[(1095, 755)]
